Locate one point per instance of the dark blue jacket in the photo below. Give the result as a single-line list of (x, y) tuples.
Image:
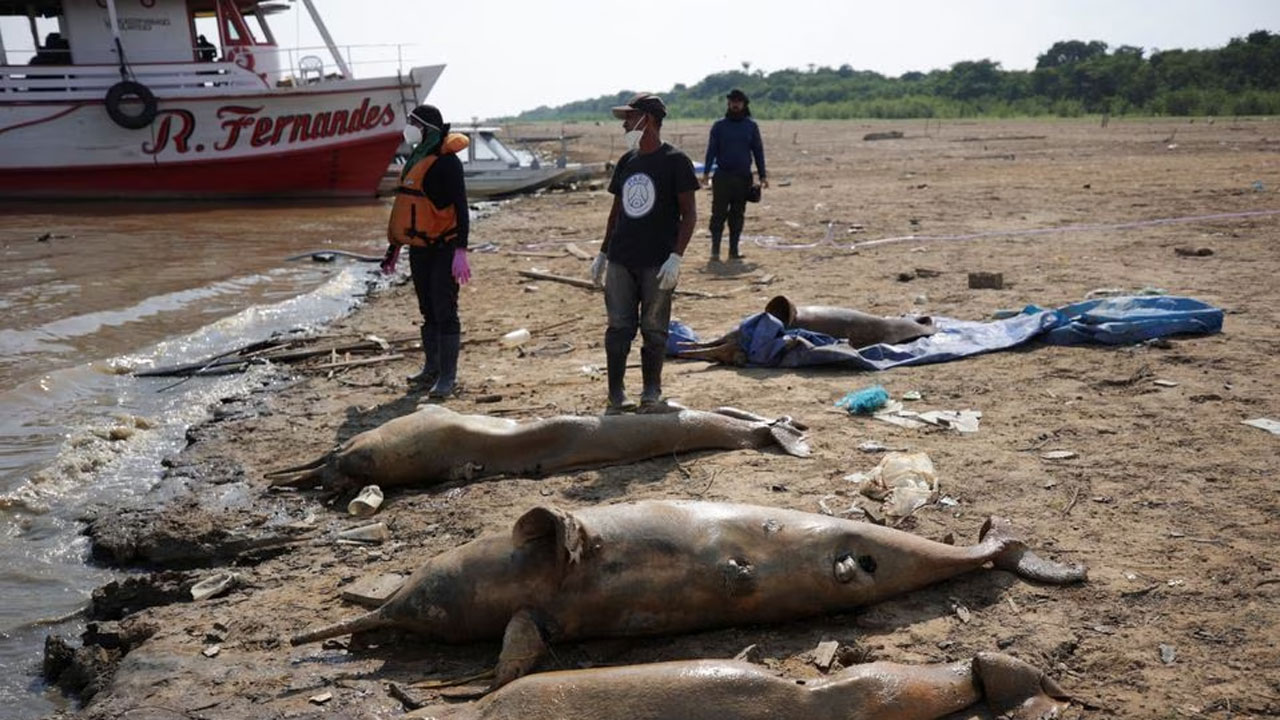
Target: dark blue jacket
[(733, 143)]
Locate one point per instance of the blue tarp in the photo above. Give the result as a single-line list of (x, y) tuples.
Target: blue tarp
[(1109, 321)]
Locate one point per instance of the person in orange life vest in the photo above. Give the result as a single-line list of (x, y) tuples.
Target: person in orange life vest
[(649, 226), (430, 215)]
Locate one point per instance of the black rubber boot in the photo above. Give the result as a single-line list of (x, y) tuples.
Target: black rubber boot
[(431, 359), (616, 371), (445, 384), (651, 370)]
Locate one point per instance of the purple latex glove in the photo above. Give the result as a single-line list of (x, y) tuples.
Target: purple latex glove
[(389, 260), (461, 268)]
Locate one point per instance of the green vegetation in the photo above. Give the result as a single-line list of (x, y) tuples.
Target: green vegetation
[(1071, 78)]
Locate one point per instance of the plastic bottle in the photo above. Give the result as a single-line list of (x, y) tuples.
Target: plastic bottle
[(515, 338)]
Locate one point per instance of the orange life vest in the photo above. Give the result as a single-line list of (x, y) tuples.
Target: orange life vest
[(415, 220)]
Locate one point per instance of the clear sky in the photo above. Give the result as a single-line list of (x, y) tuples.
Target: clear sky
[(504, 56)]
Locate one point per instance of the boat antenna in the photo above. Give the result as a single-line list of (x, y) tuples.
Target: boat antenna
[(328, 39), (115, 34)]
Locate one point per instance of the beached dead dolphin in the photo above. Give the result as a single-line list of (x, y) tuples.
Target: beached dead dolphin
[(729, 690), (436, 444), (858, 328), (653, 568)]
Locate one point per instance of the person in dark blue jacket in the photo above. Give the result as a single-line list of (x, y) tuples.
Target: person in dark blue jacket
[(734, 142)]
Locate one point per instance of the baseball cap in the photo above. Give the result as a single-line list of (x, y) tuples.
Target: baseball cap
[(645, 103)]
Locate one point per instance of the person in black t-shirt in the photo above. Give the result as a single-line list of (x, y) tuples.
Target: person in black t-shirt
[(652, 219)]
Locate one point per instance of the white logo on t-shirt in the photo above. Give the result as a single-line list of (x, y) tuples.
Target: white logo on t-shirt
[(638, 195)]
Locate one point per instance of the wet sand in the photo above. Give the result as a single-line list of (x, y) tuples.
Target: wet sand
[(1169, 499)]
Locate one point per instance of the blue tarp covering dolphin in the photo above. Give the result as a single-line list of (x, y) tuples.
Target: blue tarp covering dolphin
[(1108, 321)]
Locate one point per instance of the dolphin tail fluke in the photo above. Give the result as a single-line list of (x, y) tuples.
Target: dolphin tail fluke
[(369, 621), (298, 475), (790, 436), (1014, 689), (1024, 562)]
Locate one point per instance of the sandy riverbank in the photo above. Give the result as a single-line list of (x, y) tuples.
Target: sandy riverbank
[(1170, 500)]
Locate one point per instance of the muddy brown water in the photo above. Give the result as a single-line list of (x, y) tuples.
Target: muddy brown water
[(91, 291)]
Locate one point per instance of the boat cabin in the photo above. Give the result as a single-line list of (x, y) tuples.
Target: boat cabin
[(195, 39)]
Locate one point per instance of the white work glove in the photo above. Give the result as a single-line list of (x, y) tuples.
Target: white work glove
[(598, 266), (669, 273)]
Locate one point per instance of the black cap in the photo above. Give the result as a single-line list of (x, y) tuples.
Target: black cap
[(428, 115), (645, 103), (736, 94)]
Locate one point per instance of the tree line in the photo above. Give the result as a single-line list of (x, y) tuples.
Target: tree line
[(1072, 78)]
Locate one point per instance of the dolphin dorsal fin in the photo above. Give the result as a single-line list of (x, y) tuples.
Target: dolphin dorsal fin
[(554, 524)]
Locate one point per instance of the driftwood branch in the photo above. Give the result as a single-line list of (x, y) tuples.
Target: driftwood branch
[(588, 285), (360, 361)]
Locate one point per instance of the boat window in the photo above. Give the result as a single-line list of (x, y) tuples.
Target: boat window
[(233, 32), (483, 149), (207, 28), (253, 24), (504, 153)]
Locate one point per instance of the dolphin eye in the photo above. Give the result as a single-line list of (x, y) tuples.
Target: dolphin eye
[(867, 563)]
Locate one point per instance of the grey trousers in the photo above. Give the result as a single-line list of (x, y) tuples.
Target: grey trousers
[(633, 301)]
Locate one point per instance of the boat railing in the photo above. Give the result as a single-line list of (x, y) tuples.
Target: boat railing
[(306, 65), (34, 83), (316, 64)]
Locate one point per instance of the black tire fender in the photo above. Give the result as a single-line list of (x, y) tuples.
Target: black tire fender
[(126, 90)]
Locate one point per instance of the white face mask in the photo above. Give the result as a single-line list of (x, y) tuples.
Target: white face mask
[(632, 136), (412, 134)]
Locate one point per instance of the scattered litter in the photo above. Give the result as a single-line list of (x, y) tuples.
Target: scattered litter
[(367, 502), (961, 611), (322, 698), (1258, 186), (912, 395), (964, 421), (515, 338), (1176, 582), (591, 370), (211, 651), (825, 654), (871, 446), (1188, 251), (1164, 383), (864, 401), (902, 482), (986, 281), (921, 299), (1167, 654), (1104, 292), (372, 591), (375, 533), (824, 504), (214, 586), (1058, 455), (1271, 426)]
